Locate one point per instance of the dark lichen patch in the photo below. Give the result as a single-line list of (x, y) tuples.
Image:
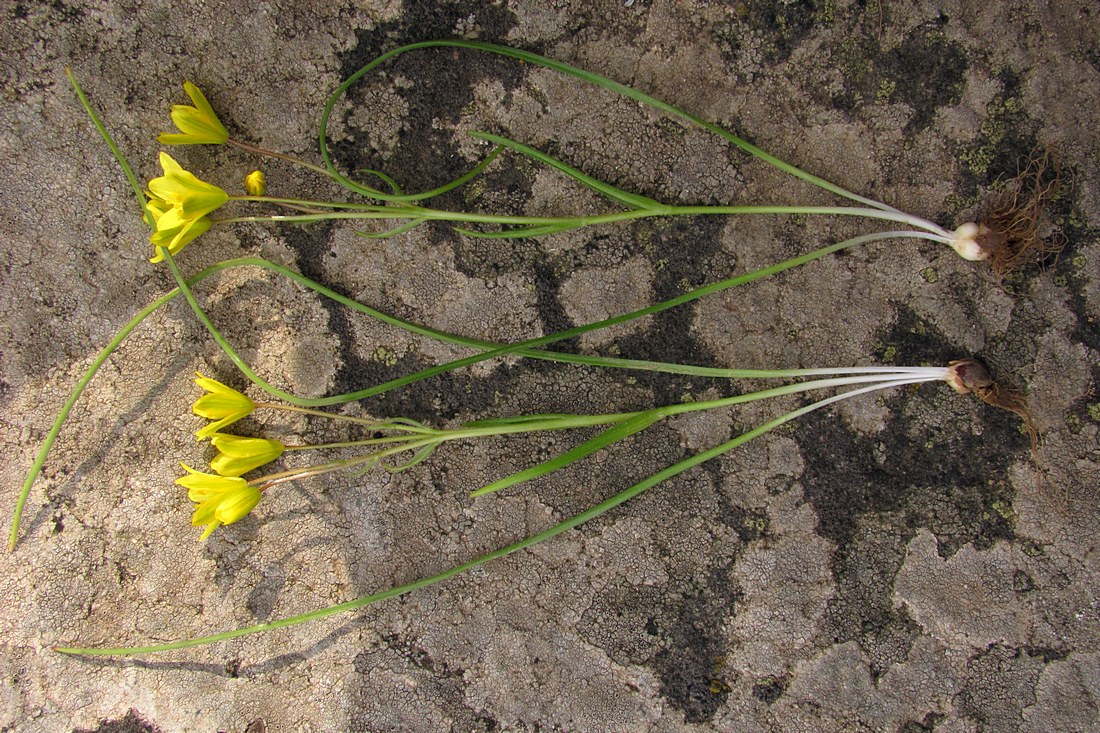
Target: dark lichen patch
[(1006, 136), (1086, 409), (504, 190), (856, 56), (690, 664), (750, 524), (781, 27), (405, 655), (676, 628), (999, 684), (769, 689), (1019, 345), (488, 259), (948, 483), (927, 724), (862, 609), (913, 474), (132, 722), (873, 495), (911, 340), (549, 306), (1072, 268), (627, 622), (926, 72), (1092, 55), (442, 87), (682, 252)]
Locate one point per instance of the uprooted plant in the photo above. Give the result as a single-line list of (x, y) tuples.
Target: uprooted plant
[(178, 206)]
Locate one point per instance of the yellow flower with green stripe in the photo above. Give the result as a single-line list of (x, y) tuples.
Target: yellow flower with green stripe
[(198, 125), (188, 197), (220, 499), (222, 404), (179, 203), (176, 236), (237, 455)]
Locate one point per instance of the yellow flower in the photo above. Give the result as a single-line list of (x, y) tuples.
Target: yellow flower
[(188, 197), (223, 404), (221, 499), (255, 183), (179, 203), (198, 125), (237, 455), (174, 237)]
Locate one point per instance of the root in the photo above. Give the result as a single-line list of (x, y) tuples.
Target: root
[(969, 376), (1011, 231)]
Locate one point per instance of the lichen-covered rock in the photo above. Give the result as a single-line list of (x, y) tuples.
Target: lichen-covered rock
[(905, 562)]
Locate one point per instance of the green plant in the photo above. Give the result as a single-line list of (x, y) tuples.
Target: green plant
[(179, 210)]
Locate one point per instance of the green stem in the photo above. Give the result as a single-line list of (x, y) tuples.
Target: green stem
[(386, 440), (537, 424), (263, 152), (367, 421), (554, 531), (297, 474), (367, 211)]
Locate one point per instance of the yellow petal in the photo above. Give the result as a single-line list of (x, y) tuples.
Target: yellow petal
[(237, 505), (237, 455), (198, 125), (209, 529)]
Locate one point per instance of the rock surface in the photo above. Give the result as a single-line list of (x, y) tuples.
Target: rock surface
[(899, 563)]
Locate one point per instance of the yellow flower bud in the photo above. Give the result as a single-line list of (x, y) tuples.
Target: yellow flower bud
[(255, 183)]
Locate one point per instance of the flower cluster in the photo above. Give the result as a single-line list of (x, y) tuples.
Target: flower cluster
[(178, 201), (223, 497)]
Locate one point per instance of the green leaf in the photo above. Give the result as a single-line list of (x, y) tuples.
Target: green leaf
[(632, 200), (419, 457), (407, 226), (611, 435)]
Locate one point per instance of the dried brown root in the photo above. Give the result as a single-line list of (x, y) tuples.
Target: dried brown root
[(969, 376), (1011, 232)]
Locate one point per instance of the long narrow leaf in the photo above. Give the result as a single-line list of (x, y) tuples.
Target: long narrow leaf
[(586, 76), (407, 226), (585, 449), (537, 230), (633, 200)]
